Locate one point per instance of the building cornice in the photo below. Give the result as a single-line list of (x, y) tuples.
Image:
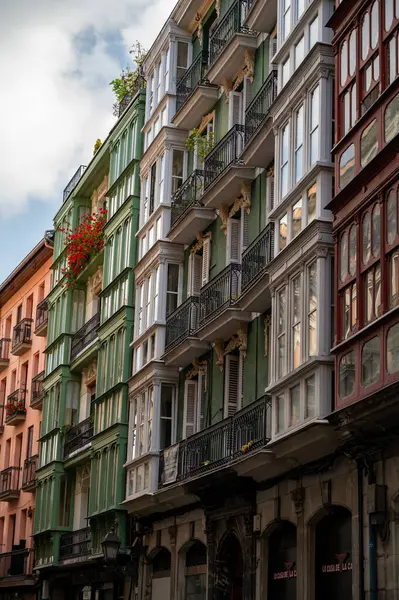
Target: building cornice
[(166, 138), (153, 373), (159, 253)]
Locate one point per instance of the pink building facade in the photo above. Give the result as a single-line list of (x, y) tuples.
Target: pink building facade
[(23, 330)]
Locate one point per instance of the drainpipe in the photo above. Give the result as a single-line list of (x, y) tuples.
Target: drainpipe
[(373, 562), (360, 526)]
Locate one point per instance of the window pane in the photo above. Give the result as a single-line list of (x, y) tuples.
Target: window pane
[(344, 62), (377, 290), (392, 119), (375, 249), (374, 25), (294, 405), (313, 32), (391, 217), (312, 309), (173, 278), (347, 166), (298, 144), (352, 250), (283, 232), (347, 313), (352, 52), (393, 349), (394, 279), (280, 414), (286, 72), (286, 18), (297, 218), (354, 306), (369, 143), (365, 36), (310, 400), (371, 362), (182, 54), (281, 311), (347, 375), (314, 136), (344, 256), (366, 234), (312, 203), (299, 52), (391, 57), (388, 14), (296, 318)]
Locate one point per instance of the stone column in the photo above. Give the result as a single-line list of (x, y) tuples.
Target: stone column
[(211, 547), (249, 559), (302, 567)]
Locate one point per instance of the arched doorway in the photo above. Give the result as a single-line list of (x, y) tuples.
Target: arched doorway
[(229, 569), (195, 575), (160, 566), (282, 562), (333, 559)]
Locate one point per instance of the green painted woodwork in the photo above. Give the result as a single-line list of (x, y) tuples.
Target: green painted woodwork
[(255, 364), (218, 249), (216, 391), (221, 118), (257, 215), (261, 70)]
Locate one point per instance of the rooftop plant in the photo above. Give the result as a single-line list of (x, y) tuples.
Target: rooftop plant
[(131, 80)]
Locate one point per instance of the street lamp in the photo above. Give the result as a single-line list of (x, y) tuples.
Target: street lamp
[(110, 545)]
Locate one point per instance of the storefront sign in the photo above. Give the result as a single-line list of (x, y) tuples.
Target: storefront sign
[(170, 458), (287, 574), (340, 566)]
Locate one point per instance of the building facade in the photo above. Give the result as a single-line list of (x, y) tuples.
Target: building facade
[(23, 322), (81, 480)]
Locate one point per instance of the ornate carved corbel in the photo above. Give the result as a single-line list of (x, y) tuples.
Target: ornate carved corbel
[(246, 196), (200, 242), (224, 216), (298, 498), (217, 6), (238, 341), (270, 171), (205, 120), (199, 368), (219, 349), (200, 31), (227, 87), (249, 58)]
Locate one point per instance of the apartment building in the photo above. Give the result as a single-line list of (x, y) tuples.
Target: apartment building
[(23, 326), (80, 479)]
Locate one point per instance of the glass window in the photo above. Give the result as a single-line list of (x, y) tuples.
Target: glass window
[(365, 36), (295, 405), (391, 217), (366, 238), (177, 169), (172, 289), (314, 125), (369, 143), (391, 120), (371, 362), (313, 32), (286, 18), (374, 25), (352, 250), (343, 255), (297, 218), (347, 166), (312, 310), (283, 232), (388, 14), (166, 415), (312, 203), (300, 7), (372, 293), (280, 414), (286, 72), (310, 399), (281, 307), (350, 310), (299, 52), (347, 375), (299, 144), (296, 321), (352, 53), (393, 349), (344, 63), (394, 279), (285, 149), (375, 241), (182, 60)]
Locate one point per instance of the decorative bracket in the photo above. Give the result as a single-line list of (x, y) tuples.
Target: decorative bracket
[(200, 242), (199, 368)]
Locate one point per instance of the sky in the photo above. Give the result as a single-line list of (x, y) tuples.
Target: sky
[(57, 58)]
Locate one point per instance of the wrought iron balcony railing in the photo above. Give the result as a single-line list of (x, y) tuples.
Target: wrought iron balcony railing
[(78, 436), (75, 544), (9, 482), (220, 444), (36, 397), (16, 406), (220, 293), (194, 75), (258, 110), (22, 333), (29, 472), (124, 103), (85, 336), (16, 563), (73, 182), (187, 196), (182, 323), (257, 256), (41, 313), (5, 349), (225, 153), (224, 30)]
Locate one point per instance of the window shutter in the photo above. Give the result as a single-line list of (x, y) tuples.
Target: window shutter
[(270, 191), (190, 270), (235, 109), (206, 259), (248, 92), (231, 390), (234, 241), (240, 381), (201, 400), (244, 229), (190, 402), (196, 275)]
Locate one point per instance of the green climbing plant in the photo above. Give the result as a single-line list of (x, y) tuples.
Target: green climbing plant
[(200, 143), (131, 80)]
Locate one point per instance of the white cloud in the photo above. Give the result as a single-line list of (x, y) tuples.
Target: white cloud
[(55, 100)]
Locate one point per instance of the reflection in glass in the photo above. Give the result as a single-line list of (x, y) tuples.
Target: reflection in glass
[(393, 349), (371, 362), (366, 231), (344, 256), (347, 375), (295, 405), (312, 203), (394, 279), (344, 62), (374, 25), (297, 218), (347, 166), (310, 400), (369, 143), (392, 119), (391, 217), (375, 249), (283, 231), (352, 52), (352, 250), (365, 36)]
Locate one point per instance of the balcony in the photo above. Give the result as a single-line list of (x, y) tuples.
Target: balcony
[(4, 353), (36, 394), (41, 318), (22, 337), (224, 171), (123, 104), (188, 215), (255, 260), (78, 437), (9, 484), (16, 407), (261, 15), (73, 182), (229, 40), (16, 564), (29, 473), (232, 443), (75, 545), (182, 345), (220, 317), (259, 136), (195, 95), (85, 336)]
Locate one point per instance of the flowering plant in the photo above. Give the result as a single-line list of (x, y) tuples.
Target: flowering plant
[(247, 446), (86, 240), (13, 408)]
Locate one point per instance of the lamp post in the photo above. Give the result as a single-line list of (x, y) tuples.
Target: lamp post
[(110, 545)]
